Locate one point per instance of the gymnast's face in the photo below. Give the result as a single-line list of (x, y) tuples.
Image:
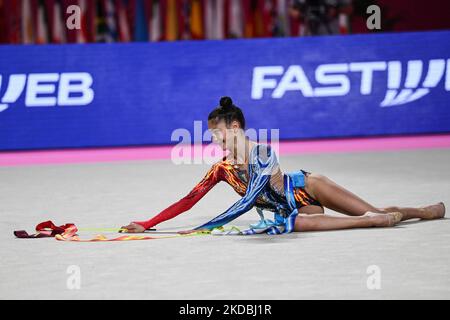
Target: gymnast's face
[(222, 134)]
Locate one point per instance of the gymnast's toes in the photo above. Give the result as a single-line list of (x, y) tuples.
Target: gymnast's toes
[(435, 211), (441, 210), (384, 219), (396, 217)]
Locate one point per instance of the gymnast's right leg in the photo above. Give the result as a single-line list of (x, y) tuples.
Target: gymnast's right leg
[(321, 222)]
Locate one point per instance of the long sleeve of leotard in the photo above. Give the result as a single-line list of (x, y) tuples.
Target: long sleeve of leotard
[(264, 162), (212, 177)]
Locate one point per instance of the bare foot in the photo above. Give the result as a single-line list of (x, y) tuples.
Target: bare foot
[(384, 219), (435, 211), (132, 228)]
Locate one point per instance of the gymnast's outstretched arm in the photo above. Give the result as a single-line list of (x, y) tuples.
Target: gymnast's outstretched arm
[(212, 177)]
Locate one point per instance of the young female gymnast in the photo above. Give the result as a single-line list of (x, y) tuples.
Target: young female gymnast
[(297, 199)]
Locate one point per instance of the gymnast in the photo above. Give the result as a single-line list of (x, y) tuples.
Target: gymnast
[(297, 199)]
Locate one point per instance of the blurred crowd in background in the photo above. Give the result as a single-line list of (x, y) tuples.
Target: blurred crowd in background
[(45, 21)]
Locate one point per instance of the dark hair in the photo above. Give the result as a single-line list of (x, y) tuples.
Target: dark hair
[(228, 112)]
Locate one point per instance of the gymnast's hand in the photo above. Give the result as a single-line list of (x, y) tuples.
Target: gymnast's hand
[(192, 231), (133, 228)]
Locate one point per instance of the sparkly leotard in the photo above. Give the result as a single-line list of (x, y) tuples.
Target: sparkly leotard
[(256, 191)]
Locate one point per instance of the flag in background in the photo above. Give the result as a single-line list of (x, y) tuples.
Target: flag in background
[(261, 15), (156, 21), (12, 15), (268, 12), (49, 6), (110, 17), (141, 26), (123, 25), (170, 8), (130, 13), (343, 23), (257, 7), (28, 24), (295, 26), (148, 4), (281, 23), (184, 8), (74, 35), (214, 19), (196, 19), (42, 33), (249, 28), (2, 23), (101, 26), (81, 34), (235, 21), (71, 35), (55, 22), (91, 23), (59, 25)]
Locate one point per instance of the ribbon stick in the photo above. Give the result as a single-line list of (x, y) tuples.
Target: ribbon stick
[(71, 235)]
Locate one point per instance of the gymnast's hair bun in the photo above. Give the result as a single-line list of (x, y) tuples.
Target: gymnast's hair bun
[(226, 103), (227, 112)]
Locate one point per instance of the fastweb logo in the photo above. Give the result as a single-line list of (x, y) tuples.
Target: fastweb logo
[(47, 89), (420, 77)]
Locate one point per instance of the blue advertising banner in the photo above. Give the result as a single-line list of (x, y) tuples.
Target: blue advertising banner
[(63, 96)]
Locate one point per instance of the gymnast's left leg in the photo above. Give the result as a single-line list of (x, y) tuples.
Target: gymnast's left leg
[(339, 199), (321, 222)]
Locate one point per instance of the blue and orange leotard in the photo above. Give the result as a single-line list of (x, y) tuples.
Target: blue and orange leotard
[(256, 191)]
